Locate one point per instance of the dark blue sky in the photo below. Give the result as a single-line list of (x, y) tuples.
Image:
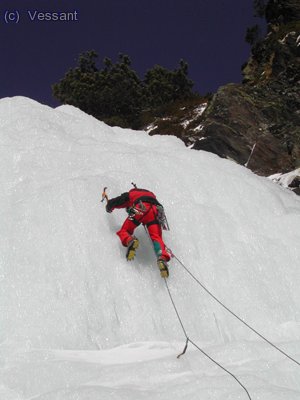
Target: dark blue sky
[(208, 34)]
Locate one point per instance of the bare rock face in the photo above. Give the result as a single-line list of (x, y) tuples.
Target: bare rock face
[(256, 123), (238, 118), (265, 110)]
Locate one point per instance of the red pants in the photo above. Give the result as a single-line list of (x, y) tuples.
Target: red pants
[(155, 232)]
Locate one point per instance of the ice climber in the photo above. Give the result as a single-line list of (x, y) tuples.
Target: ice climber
[(143, 208)]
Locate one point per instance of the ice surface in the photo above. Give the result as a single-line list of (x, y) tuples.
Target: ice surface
[(79, 322)]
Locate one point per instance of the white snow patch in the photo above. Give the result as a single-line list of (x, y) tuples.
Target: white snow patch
[(200, 109), (197, 112), (151, 127), (292, 33), (186, 123), (198, 128), (285, 179)]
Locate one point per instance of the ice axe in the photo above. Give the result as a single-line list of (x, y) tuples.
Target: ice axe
[(104, 196)]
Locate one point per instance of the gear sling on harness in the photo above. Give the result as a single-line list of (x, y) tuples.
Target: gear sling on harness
[(160, 219)]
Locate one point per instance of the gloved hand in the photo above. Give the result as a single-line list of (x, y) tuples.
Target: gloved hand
[(129, 210), (108, 209)]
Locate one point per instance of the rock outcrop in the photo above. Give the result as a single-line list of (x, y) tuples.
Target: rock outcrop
[(261, 113), (265, 109)]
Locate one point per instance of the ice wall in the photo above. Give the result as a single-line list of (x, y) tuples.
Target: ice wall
[(64, 279)]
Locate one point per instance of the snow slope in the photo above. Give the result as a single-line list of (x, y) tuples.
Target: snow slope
[(79, 322)]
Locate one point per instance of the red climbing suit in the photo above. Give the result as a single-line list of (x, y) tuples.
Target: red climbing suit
[(146, 215)]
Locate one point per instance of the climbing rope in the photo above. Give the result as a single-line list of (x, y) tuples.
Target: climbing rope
[(188, 339), (227, 309), (235, 315), (199, 348)]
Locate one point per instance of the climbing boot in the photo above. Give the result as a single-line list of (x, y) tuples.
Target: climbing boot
[(132, 245), (163, 267)]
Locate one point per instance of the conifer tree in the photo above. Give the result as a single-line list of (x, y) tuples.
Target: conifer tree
[(115, 93), (164, 86)]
